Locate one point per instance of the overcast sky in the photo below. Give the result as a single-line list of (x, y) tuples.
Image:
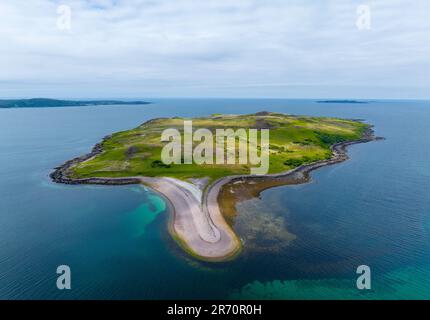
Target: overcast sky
[(215, 48)]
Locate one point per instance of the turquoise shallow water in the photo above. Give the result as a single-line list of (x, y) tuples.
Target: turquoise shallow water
[(373, 209)]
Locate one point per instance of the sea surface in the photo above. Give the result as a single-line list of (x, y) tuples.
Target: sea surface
[(371, 210)]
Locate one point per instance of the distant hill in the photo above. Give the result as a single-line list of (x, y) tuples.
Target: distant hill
[(341, 101), (43, 102)]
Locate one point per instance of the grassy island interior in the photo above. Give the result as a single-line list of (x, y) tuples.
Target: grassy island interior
[(294, 140)]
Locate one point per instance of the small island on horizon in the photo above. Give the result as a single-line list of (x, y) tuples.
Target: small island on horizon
[(201, 196), (46, 102), (341, 101)]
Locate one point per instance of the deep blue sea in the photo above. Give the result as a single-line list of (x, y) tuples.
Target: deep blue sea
[(373, 209)]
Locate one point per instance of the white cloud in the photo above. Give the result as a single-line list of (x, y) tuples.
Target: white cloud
[(212, 47)]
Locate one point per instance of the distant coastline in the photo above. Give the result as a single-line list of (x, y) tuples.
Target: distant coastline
[(341, 101), (45, 102)]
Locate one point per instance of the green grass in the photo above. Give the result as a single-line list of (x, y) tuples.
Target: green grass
[(294, 140)]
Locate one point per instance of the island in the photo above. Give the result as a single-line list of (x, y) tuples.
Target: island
[(202, 196), (342, 101), (44, 102)]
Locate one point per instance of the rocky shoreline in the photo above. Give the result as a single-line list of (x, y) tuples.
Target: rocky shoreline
[(339, 155), (61, 174)]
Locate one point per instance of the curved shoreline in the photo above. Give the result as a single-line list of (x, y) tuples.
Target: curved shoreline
[(200, 227)]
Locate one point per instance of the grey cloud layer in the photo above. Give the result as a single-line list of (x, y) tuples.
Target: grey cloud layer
[(216, 48)]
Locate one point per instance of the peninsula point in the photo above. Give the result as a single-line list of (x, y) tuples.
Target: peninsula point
[(297, 145)]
